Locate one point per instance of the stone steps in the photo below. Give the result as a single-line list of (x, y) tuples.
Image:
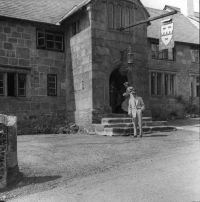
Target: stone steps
[(105, 121), (122, 126), (145, 123)]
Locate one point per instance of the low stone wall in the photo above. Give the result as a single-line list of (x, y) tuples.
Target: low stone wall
[(8, 150)]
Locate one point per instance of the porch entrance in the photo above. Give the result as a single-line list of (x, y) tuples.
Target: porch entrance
[(117, 79)]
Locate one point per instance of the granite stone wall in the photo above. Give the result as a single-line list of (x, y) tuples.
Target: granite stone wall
[(107, 46), (18, 54), (183, 68), (79, 68), (8, 150)]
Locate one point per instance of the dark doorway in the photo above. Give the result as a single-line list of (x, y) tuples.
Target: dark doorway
[(11, 81), (117, 79)]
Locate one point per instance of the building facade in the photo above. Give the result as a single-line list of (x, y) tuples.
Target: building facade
[(68, 63), (174, 73)]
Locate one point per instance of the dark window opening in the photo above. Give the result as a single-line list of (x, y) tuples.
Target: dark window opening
[(11, 87), (153, 83), (159, 83), (40, 39), (198, 90), (52, 85), (75, 27), (50, 41)]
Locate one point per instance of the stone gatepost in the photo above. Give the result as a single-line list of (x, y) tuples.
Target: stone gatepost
[(8, 150)]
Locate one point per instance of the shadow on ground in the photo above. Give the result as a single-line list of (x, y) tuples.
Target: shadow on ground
[(155, 135), (23, 181)]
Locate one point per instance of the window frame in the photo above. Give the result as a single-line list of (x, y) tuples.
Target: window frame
[(167, 88), (16, 84), (195, 54), (75, 27), (3, 83), (122, 15), (194, 84), (50, 88), (44, 37), (160, 55)]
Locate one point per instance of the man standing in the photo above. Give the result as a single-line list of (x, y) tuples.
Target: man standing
[(135, 108), (126, 95)]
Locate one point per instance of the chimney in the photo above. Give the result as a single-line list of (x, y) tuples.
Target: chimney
[(190, 8)]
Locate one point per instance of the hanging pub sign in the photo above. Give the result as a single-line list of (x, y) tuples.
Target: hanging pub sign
[(166, 35)]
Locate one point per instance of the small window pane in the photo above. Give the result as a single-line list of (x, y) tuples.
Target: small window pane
[(58, 38), (110, 15), (166, 84), (21, 84), (123, 17), (40, 39), (1, 84), (58, 46), (49, 37), (198, 90), (153, 83), (159, 83), (127, 17), (51, 85), (172, 84), (50, 44)]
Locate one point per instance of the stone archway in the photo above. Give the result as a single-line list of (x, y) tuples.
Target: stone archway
[(116, 89)]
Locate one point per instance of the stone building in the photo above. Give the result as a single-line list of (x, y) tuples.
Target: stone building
[(66, 60), (174, 79)]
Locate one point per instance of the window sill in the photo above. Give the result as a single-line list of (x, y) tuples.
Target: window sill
[(15, 98), (163, 60), (49, 49)]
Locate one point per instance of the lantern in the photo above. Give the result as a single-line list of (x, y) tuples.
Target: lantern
[(130, 55)]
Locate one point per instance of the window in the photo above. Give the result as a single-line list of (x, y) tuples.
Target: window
[(75, 27), (15, 84), (167, 54), (169, 84), (195, 86), (50, 40), (156, 83), (110, 15), (120, 16), (162, 84), (195, 55), (52, 85), (1, 84)]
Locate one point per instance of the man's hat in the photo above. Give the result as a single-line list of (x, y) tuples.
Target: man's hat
[(131, 89)]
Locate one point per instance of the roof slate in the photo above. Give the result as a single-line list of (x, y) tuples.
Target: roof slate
[(47, 11), (184, 30)]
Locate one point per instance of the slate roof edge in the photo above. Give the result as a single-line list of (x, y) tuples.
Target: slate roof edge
[(73, 10), (144, 7), (27, 20)]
